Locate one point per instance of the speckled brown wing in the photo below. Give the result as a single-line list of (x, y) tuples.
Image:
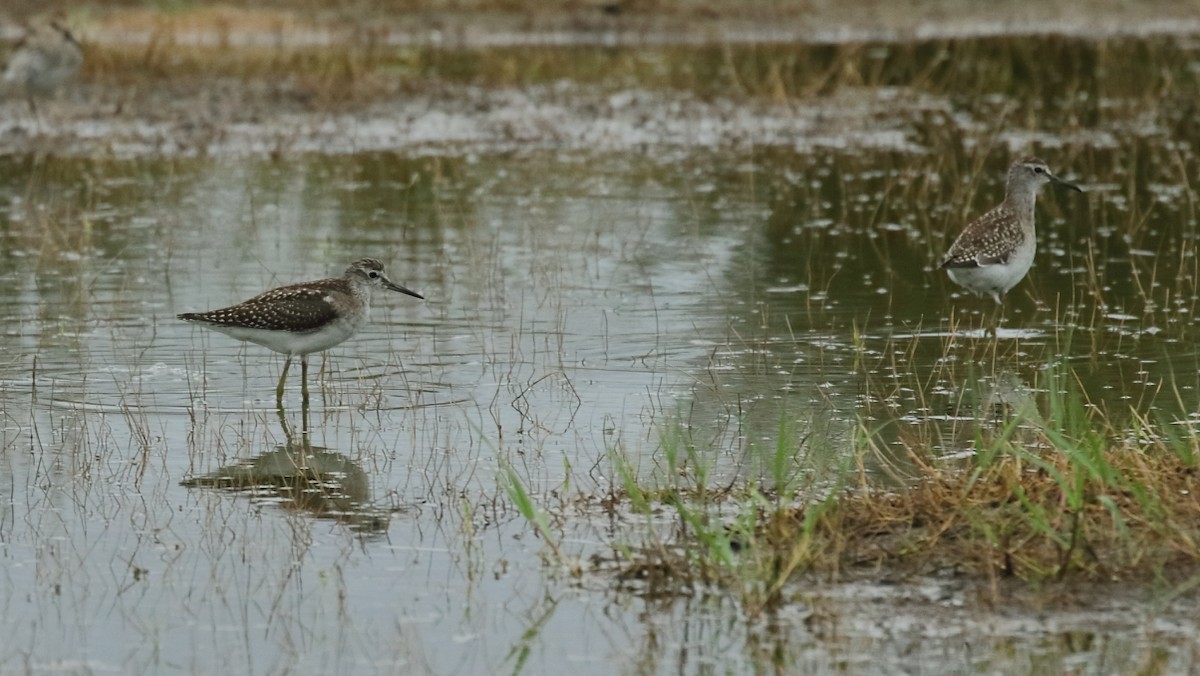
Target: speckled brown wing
[(988, 240), (298, 308)]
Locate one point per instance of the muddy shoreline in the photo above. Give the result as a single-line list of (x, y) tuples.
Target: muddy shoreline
[(232, 79), (471, 24)]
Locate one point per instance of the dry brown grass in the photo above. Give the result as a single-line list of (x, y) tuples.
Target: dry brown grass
[(846, 11), (1052, 492), (1012, 520), (1015, 519)]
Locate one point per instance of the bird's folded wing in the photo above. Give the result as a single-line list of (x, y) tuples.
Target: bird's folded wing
[(969, 261), (302, 313), (294, 309), (989, 240)]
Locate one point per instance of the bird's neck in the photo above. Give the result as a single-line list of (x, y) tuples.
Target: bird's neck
[(1021, 202), (360, 289)]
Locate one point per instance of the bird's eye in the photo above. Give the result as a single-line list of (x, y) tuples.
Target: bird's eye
[(373, 274), (1039, 170)]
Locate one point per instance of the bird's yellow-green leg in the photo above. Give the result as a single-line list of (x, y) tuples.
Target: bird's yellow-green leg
[(282, 379), (287, 430), (304, 384), (996, 318)]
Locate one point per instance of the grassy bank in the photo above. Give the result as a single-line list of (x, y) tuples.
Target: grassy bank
[(1046, 490), (637, 15)]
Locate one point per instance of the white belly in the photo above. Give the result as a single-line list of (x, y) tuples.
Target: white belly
[(995, 280), (287, 342)]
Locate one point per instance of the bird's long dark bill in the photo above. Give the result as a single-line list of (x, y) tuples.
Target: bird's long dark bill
[(1063, 184), (401, 289)]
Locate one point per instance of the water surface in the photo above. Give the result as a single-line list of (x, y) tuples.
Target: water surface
[(579, 297)]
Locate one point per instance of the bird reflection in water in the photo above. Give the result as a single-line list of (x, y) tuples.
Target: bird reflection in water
[(299, 476)]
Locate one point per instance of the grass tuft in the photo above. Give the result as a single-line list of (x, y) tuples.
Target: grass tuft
[(1055, 491)]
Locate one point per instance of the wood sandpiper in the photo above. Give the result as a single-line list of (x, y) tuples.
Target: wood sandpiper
[(996, 250), (43, 60), (300, 319)]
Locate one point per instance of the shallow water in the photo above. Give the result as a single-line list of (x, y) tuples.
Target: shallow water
[(580, 296)]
